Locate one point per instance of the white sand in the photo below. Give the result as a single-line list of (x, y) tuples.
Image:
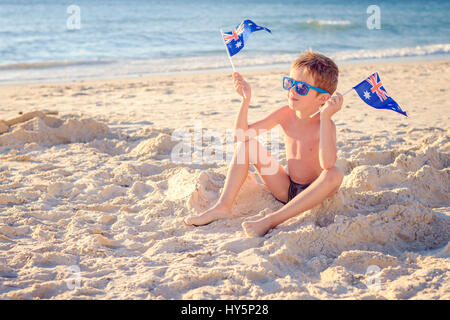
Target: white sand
[(94, 187)]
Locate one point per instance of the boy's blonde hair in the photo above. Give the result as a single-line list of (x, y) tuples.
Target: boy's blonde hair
[(323, 70)]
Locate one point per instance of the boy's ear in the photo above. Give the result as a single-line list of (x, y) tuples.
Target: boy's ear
[(324, 98)]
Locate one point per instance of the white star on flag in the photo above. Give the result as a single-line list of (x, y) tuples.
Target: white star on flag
[(366, 94), (238, 44)]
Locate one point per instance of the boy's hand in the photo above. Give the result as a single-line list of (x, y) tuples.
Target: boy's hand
[(334, 105), (240, 85)]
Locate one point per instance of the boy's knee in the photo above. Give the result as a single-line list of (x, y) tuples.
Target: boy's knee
[(243, 146), (250, 148), (242, 151), (335, 176), (244, 142)]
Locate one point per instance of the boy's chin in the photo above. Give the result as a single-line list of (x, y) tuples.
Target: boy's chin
[(295, 106)]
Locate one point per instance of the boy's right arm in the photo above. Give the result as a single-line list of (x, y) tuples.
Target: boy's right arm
[(244, 131)]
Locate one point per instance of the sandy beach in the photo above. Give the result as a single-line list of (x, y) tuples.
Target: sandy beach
[(92, 203)]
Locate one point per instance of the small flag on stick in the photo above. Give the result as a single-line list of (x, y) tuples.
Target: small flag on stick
[(372, 92), (235, 40)]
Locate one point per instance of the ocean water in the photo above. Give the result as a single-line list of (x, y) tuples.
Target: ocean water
[(45, 40)]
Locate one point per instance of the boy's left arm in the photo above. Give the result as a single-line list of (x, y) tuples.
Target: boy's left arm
[(327, 144)]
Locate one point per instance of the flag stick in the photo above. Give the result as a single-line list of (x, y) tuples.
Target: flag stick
[(229, 57), (321, 108)]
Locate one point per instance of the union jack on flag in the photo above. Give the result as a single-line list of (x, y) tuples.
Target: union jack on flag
[(372, 92), (376, 87), (235, 39), (234, 34)]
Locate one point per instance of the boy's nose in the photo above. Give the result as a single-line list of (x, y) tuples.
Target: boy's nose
[(292, 91)]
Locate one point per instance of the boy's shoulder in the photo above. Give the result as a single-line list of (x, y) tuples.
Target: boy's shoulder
[(280, 114), (283, 112)]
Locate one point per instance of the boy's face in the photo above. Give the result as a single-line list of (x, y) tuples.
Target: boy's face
[(312, 101)]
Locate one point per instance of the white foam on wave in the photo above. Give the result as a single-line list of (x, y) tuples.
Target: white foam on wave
[(328, 22), (393, 52)]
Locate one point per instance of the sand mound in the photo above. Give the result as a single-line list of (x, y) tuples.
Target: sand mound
[(209, 185), (156, 143), (389, 201), (48, 130)]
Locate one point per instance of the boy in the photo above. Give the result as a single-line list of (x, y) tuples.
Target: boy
[(310, 146)]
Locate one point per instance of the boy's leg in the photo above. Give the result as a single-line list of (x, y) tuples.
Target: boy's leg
[(271, 172), (324, 186)]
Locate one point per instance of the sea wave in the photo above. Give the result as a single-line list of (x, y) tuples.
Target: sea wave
[(327, 24), (433, 49)]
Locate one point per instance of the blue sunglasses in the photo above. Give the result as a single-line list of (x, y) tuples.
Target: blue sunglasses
[(301, 87)]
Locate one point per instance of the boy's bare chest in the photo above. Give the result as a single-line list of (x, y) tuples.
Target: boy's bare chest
[(302, 143)]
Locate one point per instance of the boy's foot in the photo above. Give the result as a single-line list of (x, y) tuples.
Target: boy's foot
[(256, 228), (210, 215)]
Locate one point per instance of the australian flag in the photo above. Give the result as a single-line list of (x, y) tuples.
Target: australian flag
[(235, 40), (372, 92)]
